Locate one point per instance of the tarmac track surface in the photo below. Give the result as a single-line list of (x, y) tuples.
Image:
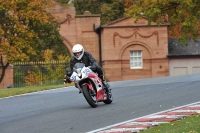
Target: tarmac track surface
[(65, 111)]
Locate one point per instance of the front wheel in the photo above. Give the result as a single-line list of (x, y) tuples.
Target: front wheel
[(109, 98), (89, 96)]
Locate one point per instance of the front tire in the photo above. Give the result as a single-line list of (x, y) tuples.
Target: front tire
[(89, 96)]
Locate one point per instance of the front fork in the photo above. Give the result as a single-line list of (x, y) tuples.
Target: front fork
[(77, 85)]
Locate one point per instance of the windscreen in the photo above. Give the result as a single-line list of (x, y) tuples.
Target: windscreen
[(78, 66)]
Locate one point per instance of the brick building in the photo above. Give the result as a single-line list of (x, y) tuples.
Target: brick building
[(126, 50)]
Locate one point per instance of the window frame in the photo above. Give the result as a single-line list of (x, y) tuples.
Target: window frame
[(136, 56)]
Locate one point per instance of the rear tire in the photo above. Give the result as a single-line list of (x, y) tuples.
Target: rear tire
[(90, 98), (109, 98)]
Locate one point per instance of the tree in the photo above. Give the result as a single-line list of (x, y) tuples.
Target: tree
[(87, 5), (112, 11), (128, 3), (183, 15), (26, 27), (108, 9)]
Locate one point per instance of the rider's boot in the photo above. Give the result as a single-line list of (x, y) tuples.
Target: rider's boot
[(105, 84)]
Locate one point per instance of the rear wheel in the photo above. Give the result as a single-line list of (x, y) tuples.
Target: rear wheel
[(109, 98), (90, 96)]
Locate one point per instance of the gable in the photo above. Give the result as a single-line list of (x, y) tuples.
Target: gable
[(129, 22)]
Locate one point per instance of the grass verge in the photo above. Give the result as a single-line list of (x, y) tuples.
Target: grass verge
[(190, 124), (17, 91)]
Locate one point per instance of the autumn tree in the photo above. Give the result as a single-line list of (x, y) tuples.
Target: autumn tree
[(183, 15), (112, 11), (108, 9), (128, 3), (26, 27), (87, 5)]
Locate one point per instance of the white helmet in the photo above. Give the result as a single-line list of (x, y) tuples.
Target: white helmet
[(78, 48)]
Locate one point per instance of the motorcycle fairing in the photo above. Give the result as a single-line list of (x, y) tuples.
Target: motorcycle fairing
[(89, 86), (97, 81), (101, 95), (80, 72)]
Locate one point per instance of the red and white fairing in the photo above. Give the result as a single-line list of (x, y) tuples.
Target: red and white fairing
[(86, 72)]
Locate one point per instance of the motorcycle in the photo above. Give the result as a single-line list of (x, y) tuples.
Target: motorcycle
[(90, 85)]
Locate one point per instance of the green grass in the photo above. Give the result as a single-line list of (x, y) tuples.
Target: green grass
[(17, 91), (190, 124)]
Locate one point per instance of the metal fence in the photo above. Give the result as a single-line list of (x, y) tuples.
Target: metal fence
[(39, 73)]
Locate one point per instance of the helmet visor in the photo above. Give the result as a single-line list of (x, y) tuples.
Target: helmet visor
[(77, 54)]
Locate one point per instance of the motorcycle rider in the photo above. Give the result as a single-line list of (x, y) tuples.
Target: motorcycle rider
[(79, 55)]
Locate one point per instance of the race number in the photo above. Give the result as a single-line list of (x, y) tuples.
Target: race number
[(87, 71), (73, 78)]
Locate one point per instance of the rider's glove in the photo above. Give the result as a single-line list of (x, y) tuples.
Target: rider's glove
[(68, 75), (67, 80)]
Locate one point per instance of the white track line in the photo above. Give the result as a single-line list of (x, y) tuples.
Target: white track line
[(196, 104)]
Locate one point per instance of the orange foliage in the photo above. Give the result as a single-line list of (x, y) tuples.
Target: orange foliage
[(128, 3), (175, 31), (33, 78)]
